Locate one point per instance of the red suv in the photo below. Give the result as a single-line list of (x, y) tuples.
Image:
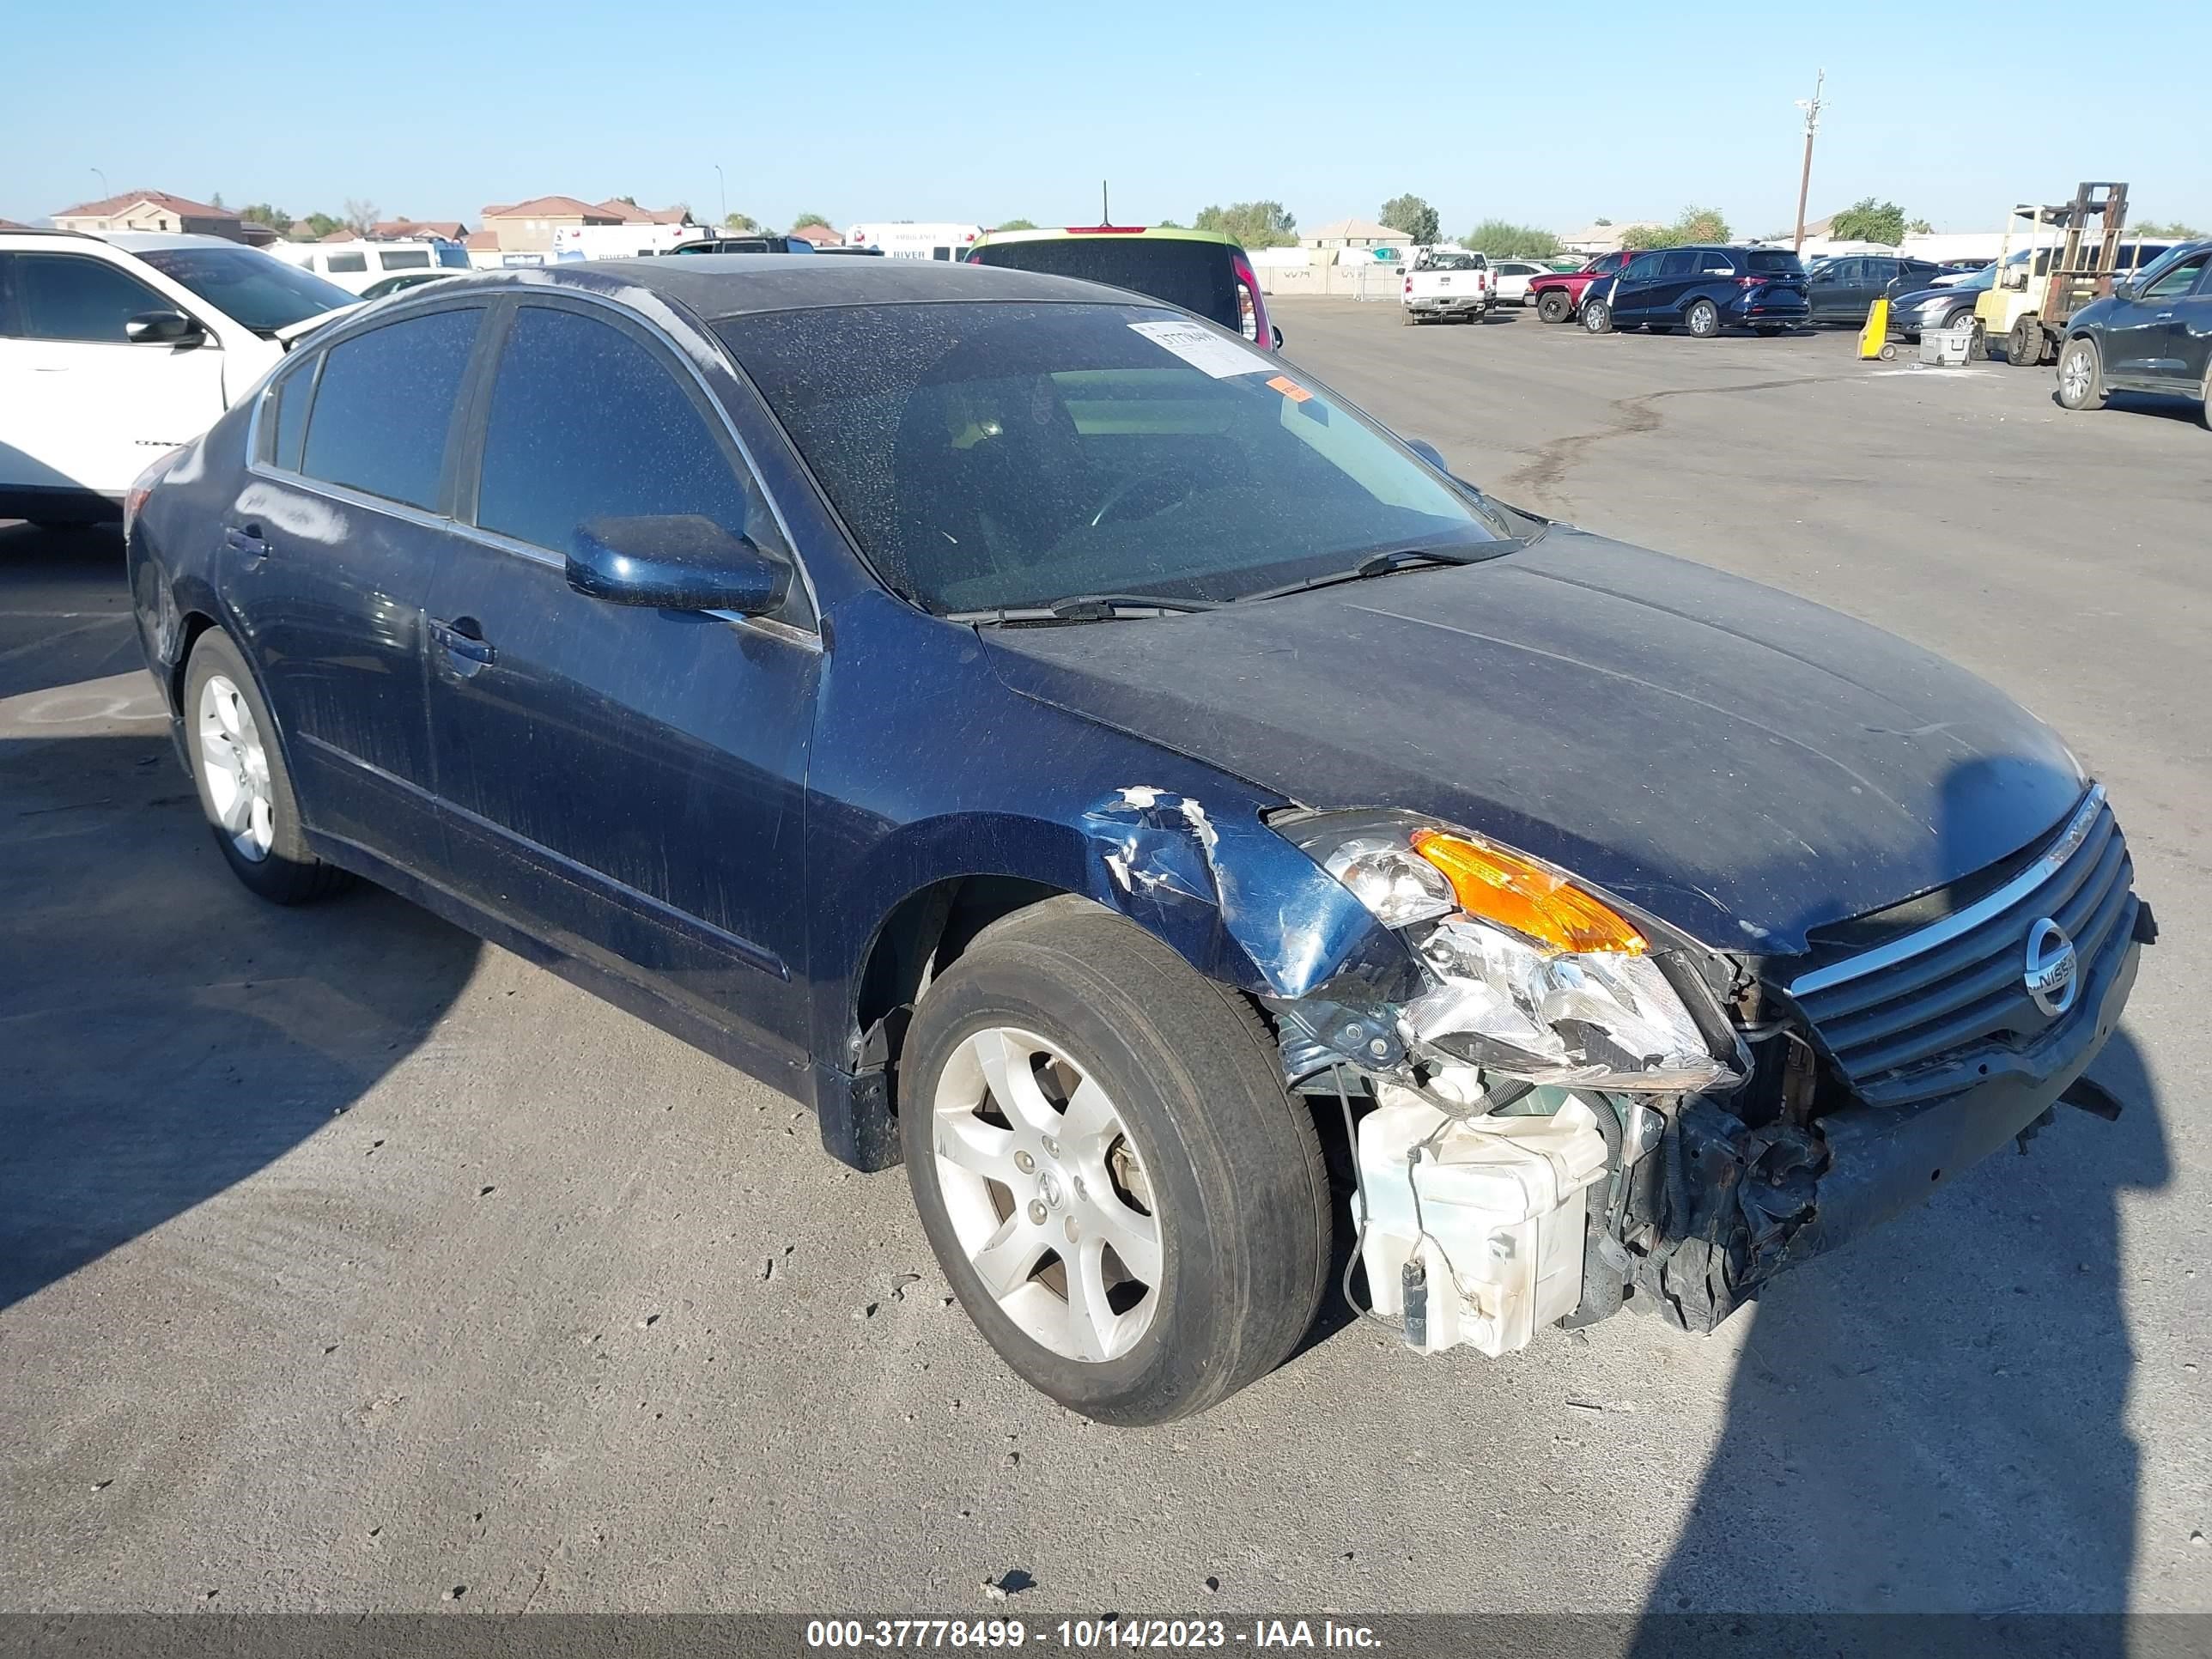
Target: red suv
[(1559, 295)]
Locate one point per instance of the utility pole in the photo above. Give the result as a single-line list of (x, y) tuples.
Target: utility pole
[(1812, 108), (723, 191)]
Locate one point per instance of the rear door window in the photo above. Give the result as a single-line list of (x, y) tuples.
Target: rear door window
[(1679, 262), (587, 422), (385, 404), (68, 296), (1196, 275)]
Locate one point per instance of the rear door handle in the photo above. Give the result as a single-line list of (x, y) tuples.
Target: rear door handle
[(465, 643), (246, 540)]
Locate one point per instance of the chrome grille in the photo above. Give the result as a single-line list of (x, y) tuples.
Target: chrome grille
[(1932, 998)]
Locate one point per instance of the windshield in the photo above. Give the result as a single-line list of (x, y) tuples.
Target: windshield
[(1198, 277), (262, 293), (1013, 453)]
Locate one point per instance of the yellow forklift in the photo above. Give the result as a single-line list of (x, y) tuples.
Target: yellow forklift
[(2064, 265)]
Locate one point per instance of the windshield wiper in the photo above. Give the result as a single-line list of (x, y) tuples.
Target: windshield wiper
[(1392, 559), (1085, 607)]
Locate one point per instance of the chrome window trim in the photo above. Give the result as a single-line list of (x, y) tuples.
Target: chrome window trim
[(2053, 859), (346, 496)]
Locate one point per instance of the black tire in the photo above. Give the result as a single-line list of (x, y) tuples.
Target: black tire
[(2024, 345), (1597, 316), (2081, 375), (1702, 319), (1232, 1163), (289, 873), (1553, 306)]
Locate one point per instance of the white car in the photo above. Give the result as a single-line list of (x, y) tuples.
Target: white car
[(1447, 282), (115, 350), (358, 265), (1509, 280)]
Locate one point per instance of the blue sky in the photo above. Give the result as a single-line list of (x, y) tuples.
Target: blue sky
[(874, 109)]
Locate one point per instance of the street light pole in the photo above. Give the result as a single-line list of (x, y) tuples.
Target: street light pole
[(722, 191), (1812, 108), (104, 191)]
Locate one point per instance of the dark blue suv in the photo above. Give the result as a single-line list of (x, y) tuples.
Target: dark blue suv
[(1701, 290), (1091, 762)]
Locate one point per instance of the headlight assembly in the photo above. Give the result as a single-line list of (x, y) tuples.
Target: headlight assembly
[(1532, 976)]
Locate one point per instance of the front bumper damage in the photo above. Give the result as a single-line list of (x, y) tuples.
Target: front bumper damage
[(1706, 1194)]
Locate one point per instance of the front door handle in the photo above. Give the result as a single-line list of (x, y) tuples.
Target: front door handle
[(246, 541), (465, 643)]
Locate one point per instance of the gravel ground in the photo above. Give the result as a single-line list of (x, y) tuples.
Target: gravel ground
[(346, 1262)]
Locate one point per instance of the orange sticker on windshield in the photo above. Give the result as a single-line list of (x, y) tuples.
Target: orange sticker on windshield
[(1290, 388)]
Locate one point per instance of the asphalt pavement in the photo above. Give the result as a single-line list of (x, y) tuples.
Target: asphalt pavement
[(347, 1263)]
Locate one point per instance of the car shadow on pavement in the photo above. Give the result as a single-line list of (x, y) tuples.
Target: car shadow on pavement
[(1934, 1419), (163, 1034)]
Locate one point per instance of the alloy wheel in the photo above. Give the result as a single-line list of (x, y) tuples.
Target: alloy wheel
[(235, 764), (1048, 1193), (2075, 375)]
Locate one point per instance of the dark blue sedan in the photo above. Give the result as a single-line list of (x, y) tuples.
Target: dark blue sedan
[(1092, 763)]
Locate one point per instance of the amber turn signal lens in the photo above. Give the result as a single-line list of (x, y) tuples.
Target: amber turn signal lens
[(1529, 899)]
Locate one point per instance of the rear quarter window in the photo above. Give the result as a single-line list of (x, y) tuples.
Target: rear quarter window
[(1196, 275), (385, 404)]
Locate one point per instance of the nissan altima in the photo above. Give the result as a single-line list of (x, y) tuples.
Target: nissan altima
[(1094, 765)]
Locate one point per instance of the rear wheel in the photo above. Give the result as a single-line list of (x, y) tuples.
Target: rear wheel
[(244, 787), (1597, 316), (2080, 376), (1702, 319), (1552, 307), (1122, 1194)]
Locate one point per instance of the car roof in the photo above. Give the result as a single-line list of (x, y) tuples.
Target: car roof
[(135, 241), (715, 286), (1105, 233)]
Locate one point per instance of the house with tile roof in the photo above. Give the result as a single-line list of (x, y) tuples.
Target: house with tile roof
[(157, 209)]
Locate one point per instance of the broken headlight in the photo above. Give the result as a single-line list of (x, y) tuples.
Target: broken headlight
[(1532, 976)]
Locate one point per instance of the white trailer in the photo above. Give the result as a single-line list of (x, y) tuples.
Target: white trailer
[(905, 240), (572, 242)]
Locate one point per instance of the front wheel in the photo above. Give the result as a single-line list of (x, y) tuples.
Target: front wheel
[(1553, 306), (1597, 316), (244, 787), (1123, 1196), (2080, 376), (2024, 345), (1702, 319)]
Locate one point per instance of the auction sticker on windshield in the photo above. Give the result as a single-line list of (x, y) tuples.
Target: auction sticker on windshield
[(1202, 348)]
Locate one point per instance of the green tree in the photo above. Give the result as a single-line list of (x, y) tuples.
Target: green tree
[(806, 219), (739, 221), (319, 225), (1869, 221), (261, 213), (1412, 216), (1169, 224), (1919, 228), (1607, 224), (1017, 224), (1692, 224), (1501, 239), (2174, 229), (1253, 224)]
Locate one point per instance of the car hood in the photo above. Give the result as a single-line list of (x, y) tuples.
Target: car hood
[(1741, 764), (1920, 297)]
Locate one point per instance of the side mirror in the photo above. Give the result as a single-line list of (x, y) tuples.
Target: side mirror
[(1429, 452), (170, 328), (677, 563), (1278, 338)]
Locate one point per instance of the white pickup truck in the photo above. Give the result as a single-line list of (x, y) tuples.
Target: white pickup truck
[(1448, 282)]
